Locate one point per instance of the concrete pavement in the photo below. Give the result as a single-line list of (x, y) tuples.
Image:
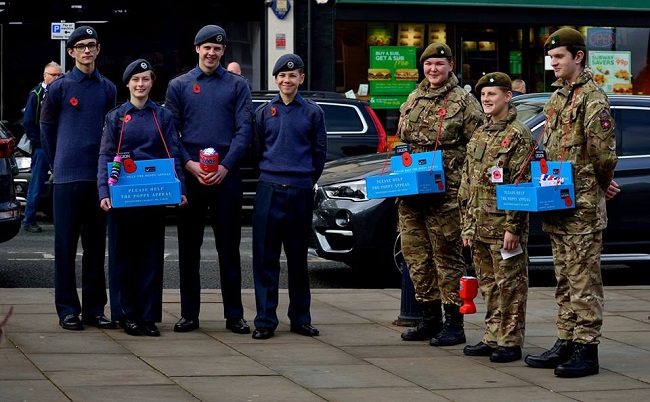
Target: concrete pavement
[(358, 357)]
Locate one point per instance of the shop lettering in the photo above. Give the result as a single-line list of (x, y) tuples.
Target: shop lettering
[(389, 56)]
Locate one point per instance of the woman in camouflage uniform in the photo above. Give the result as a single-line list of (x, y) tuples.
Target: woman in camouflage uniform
[(438, 115), (498, 153)]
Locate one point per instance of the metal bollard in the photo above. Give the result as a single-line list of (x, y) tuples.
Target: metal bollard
[(410, 313)]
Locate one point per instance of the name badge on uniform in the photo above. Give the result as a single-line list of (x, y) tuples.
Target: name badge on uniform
[(497, 174)]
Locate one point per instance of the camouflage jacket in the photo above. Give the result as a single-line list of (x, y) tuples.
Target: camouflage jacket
[(498, 153), (447, 114), (580, 129)]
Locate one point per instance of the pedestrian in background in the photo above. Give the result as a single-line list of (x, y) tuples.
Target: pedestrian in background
[(438, 115), (234, 67), (138, 130), (39, 163), (212, 108), (71, 130), (498, 153), (518, 87), (580, 130), (291, 145)]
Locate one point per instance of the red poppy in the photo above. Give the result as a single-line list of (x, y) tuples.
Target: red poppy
[(442, 112), (74, 102), (196, 88), (505, 142), (127, 118), (273, 111)]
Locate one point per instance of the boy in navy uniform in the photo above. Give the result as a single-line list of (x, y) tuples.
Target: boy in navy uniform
[(71, 130), (290, 150)]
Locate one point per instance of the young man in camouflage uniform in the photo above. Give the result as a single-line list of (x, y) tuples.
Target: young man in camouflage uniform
[(580, 130), (498, 153), (438, 115)]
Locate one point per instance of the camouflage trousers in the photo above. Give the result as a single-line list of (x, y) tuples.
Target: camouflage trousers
[(579, 291), (504, 287), (432, 248)]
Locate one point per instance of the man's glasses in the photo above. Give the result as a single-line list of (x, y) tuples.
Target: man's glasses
[(81, 47)]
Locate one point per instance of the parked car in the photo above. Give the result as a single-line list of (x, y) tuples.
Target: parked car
[(353, 128), (361, 232), (10, 217)]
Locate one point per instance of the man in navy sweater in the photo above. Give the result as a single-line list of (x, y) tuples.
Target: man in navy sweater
[(291, 147), (71, 130), (212, 108)]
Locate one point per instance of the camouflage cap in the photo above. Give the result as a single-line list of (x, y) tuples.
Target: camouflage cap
[(494, 80), (436, 50), (564, 37)]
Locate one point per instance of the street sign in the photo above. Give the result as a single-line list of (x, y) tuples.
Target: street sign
[(62, 30)]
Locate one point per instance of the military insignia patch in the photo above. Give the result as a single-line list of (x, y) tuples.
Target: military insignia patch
[(605, 124)]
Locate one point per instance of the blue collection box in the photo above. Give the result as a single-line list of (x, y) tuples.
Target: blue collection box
[(412, 174), (153, 182), (537, 197)]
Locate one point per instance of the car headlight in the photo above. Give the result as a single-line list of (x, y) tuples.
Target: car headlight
[(351, 190)]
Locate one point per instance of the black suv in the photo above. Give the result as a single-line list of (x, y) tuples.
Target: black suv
[(10, 217), (362, 232)]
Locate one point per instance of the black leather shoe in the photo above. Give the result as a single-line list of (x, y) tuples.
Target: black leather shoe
[(186, 325), (131, 328), (238, 326), (263, 333), (71, 322), (101, 322), (556, 355), (305, 330), (149, 329), (506, 354), (480, 349)]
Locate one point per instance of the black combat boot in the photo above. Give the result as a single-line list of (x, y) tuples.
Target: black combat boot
[(583, 362), (429, 326), (452, 331), (558, 354)]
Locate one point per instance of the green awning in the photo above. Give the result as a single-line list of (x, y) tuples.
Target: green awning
[(642, 5)]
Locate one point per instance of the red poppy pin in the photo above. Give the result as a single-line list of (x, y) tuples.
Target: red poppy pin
[(274, 111), (442, 112), (196, 88), (505, 142), (74, 102), (127, 118)]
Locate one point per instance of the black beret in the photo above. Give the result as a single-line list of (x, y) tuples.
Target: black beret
[(287, 62), (212, 34), (436, 50), (564, 37), (494, 80), (81, 33), (137, 67)]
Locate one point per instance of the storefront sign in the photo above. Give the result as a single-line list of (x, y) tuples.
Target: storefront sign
[(387, 102), (393, 70), (601, 38), (612, 71)]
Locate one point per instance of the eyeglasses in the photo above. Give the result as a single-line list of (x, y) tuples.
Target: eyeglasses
[(54, 74), (81, 47)]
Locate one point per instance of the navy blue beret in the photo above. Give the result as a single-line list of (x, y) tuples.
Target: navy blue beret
[(212, 34), (288, 62), (137, 67), (81, 33)]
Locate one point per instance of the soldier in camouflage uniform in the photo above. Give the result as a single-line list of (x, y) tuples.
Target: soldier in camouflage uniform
[(580, 130), (438, 115), (498, 153)]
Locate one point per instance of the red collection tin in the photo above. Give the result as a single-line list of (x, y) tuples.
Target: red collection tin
[(209, 159)]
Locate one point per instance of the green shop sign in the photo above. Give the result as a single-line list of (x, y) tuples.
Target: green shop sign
[(393, 70), (641, 5), (387, 102)]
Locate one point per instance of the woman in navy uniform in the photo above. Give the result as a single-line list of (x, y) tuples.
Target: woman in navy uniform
[(138, 130)]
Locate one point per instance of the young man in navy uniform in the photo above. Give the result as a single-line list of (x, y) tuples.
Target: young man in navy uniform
[(290, 149), (212, 108)]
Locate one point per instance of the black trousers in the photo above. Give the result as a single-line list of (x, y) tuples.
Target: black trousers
[(281, 218)]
